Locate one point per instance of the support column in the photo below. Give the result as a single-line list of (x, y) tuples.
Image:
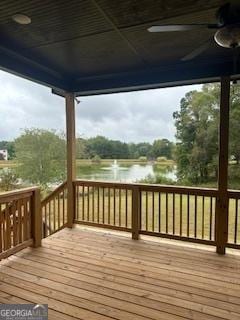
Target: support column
[(136, 194), (36, 218), (71, 157), (222, 201)]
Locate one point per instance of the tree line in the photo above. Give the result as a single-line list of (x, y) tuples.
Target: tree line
[(89, 148), (114, 149)]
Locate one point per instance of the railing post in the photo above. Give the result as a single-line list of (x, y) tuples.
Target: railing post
[(222, 199), (71, 156), (36, 218), (136, 194)]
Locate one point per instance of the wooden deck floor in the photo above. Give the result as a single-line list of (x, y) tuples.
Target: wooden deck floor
[(85, 274)]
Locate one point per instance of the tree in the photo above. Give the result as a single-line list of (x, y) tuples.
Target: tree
[(235, 123), (41, 156), (162, 148), (106, 149), (81, 152), (8, 180), (197, 134)]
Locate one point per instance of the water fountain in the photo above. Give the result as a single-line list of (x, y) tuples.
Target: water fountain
[(115, 165)]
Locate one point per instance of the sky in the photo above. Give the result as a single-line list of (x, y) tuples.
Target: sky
[(130, 117)]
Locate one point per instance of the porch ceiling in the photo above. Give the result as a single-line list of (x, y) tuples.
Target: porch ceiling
[(96, 46)]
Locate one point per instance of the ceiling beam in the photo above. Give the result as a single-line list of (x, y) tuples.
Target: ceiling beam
[(20, 65), (184, 74)]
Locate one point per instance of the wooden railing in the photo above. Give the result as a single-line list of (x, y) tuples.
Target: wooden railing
[(178, 212), (54, 210), (181, 213), (166, 211), (234, 219), (104, 204), (20, 220)]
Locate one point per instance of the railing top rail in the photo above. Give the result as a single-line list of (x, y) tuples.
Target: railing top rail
[(234, 193), (54, 192), (150, 187), (16, 194), (107, 184)]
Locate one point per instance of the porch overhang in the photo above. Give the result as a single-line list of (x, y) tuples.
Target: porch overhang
[(95, 47)]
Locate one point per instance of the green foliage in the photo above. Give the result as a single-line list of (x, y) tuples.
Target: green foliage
[(104, 148), (80, 148), (235, 123), (162, 148), (142, 149), (161, 159), (114, 149), (8, 180), (157, 179), (142, 159), (41, 156), (9, 145), (197, 134), (96, 159)]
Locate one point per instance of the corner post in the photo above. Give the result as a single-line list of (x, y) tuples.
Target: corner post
[(222, 200), (36, 218), (136, 194), (71, 156)]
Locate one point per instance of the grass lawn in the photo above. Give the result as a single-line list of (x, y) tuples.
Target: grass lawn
[(8, 164)]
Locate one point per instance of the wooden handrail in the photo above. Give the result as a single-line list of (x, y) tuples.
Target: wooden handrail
[(234, 194), (20, 220), (193, 208), (54, 219), (150, 187), (53, 193), (16, 194)]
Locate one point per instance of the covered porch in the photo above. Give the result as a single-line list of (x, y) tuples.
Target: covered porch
[(137, 269), (91, 274)]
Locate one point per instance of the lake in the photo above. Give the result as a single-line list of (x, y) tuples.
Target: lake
[(122, 171), (131, 172)]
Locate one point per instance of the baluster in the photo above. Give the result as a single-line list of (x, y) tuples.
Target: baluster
[(166, 212), (210, 218), (203, 217), (188, 213), (181, 212), (173, 212), (159, 212), (126, 213), (236, 221), (195, 216), (153, 213), (119, 208), (114, 206)]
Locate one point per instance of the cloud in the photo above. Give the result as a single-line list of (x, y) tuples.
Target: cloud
[(136, 116)]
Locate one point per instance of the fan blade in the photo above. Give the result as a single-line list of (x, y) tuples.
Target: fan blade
[(197, 51), (181, 27)]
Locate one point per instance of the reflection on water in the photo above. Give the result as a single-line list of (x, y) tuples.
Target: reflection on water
[(123, 173)]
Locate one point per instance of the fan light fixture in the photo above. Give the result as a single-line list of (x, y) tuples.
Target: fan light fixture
[(228, 37), (21, 18)]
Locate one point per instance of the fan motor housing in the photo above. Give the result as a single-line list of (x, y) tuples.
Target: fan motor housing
[(228, 36)]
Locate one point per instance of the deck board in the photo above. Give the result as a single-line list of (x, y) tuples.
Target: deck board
[(87, 274)]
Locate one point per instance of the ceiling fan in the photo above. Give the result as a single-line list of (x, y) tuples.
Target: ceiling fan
[(227, 26)]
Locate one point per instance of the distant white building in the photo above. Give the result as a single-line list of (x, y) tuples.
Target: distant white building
[(4, 154)]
